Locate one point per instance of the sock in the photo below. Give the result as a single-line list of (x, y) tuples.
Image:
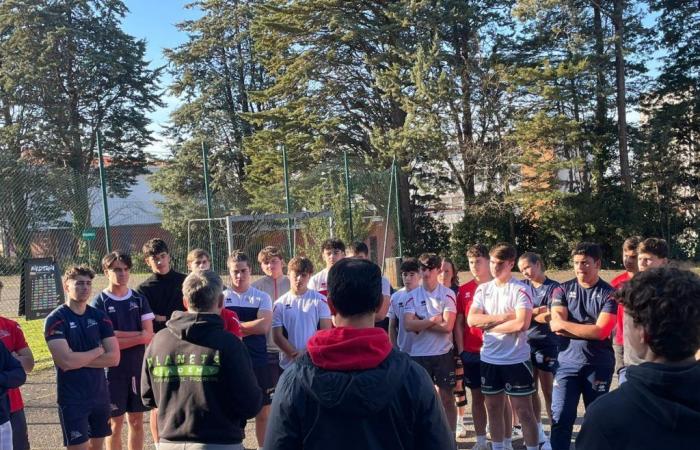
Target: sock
[(540, 432), (508, 442), (481, 440), (496, 445)]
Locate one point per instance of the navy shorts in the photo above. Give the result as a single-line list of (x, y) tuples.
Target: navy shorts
[(514, 379), (441, 369), (472, 369), (264, 376), (125, 395), (544, 359), (80, 422)]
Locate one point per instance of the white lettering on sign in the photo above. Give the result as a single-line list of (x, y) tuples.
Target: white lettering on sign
[(41, 268)]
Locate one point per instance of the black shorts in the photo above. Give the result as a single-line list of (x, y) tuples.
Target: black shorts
[(441, 368), (515, 379), (125, 395), (273, 363), (264, 376), (80, 422), (472, 369), (544, 359), (20, 435)]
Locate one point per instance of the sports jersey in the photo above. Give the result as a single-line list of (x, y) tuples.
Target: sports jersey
[(319, 282), (617, 283), (584, 306), (126, 314), (275, 289), (539, 335), (300, 316), (83, 333), (12, 336), (231, 322), (473, 337), (247, 305), (491, 298), (425, 305), (397, 308)]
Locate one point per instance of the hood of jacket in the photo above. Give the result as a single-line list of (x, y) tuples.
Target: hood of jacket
[(668, 393), (193, 327), (352, 369)]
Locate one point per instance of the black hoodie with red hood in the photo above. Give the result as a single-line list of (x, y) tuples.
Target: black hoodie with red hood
[(352, 390)]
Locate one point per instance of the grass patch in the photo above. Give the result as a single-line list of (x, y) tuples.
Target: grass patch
[(34, 333)]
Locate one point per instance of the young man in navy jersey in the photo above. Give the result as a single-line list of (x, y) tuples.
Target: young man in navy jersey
[(82, 344), (583, 315), (132, 319), (254, 309), (543, 342)]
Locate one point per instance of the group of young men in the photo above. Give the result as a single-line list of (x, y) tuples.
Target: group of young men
[(306, 355)]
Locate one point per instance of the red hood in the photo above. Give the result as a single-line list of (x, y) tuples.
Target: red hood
[(349, 348)]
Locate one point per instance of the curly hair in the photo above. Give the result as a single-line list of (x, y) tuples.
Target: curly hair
[(666, 302)]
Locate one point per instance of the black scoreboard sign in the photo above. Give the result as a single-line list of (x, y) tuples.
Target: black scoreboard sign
[(41, 290)]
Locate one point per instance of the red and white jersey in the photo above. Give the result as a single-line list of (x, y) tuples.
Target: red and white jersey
[(319, 282)]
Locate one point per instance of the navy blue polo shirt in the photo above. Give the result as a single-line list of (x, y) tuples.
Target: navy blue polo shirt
[(539, 335), (126, 314), (83, 333), (584, 306)]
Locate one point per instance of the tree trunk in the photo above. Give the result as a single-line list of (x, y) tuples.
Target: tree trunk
[(621, 100), (599, 144)]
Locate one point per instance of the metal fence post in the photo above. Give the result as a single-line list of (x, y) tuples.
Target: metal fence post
[(349, 195), (105, 208), (207, 193), (288, 202)]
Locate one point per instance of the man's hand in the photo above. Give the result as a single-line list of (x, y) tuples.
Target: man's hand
[(160, 318), (556, 324), (437, 318)]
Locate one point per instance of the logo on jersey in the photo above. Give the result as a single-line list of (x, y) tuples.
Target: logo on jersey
[(75, 435), (91, 323), (4, 333), (133, 306), (73, 324), (572, 295), (111, 309)]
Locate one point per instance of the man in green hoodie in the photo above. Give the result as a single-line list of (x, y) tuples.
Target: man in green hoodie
[(350, 389), (659, 404)]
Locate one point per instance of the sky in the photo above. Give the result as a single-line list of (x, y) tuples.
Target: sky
[(154, 21)]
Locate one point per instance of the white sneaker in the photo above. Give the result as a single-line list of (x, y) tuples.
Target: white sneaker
[(481, 447), (545, 445), (507, 446), (461, 430), (517, 433)]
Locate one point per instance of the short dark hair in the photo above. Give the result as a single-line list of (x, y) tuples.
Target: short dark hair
[(116, 255), (430, 261), (656, 246), (588, 249), (73, 272), (359, 247), (631, 243), (202, 289), (236, 257), (154, 247), (478, 251), (355, 287), (532, 258), (503, 251), (410, 265), (300, 264), (333, 244), (666, 302)]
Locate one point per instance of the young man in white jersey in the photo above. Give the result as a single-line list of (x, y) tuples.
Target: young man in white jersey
[(431, 314), (274, 284), (300, 312), (361, 251), (503, 309), (132, 320), (254, 309), (410, 275), (332, 251)]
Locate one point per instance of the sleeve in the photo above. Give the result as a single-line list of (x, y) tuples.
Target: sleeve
[(410, 305), (386, 286), (106, 328), (247, 399), (20, 342), (559, 297), (54, 328), (547, 301), (524, 298), (609, 303), (284, 428), (147, 395), (146, 311), (391, 313), (12, 374), (98, 303), (278, 314), (432, 430), (478, 299), (324, 312), (450, 303), (265, 302)]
